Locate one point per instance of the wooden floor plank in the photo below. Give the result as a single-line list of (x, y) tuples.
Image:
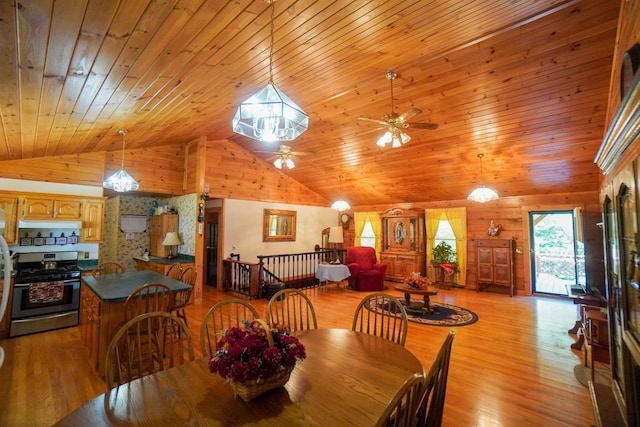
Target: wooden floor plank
[(513, 367)]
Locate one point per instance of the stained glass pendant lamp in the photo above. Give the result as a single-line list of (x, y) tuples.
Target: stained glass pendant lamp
[(482, 194), (269, 115), (121, 181)]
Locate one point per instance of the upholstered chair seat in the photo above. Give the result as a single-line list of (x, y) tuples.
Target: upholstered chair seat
[(366, 273)]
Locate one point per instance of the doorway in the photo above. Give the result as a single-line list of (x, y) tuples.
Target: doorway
[(557, 251), (211, 234)]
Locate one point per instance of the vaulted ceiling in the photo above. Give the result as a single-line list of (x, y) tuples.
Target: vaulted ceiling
[(526, 83)]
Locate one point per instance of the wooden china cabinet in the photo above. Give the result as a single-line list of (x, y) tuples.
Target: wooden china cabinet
[(403, 246)]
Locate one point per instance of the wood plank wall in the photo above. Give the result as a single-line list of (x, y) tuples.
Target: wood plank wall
[(512, 214), (82, 169), (235, 173), (157, 170)]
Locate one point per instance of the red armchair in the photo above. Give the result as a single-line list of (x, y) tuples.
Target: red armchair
[(366, 273)]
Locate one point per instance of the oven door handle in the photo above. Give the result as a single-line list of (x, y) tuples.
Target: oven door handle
[(66, 282)]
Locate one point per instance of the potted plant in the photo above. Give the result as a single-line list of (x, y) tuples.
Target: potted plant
[(444, 256)]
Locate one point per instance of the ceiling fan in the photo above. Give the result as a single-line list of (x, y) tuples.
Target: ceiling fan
[(396, 122), (284, 156)]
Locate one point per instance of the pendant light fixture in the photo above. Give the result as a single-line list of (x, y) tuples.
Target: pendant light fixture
[(121, 181), (340, 205), (482, 194), (269, 115)]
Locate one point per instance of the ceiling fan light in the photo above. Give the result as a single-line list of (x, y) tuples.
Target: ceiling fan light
[(482, 195), (278, 163), (340, 205), (290, 164)]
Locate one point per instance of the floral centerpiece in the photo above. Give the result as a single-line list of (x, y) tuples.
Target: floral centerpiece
[(416, 281), (256, 358)]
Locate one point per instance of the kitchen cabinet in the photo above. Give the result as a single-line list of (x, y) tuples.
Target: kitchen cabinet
[(160, 267), (495, 263), (10, 206), (159, 226), (92, 221), (90, 307), (49, 207), (403, 246)]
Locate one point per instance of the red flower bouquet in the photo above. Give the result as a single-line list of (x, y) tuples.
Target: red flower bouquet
[(257, 358), (416, 281)]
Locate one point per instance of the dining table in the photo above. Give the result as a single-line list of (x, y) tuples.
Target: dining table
[(347, 378)]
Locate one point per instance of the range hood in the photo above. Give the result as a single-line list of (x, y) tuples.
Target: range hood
[(49, 224)]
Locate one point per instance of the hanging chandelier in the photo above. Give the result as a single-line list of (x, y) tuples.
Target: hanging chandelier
[(482, 194), (269, 115), (121, 181), (340, 205)]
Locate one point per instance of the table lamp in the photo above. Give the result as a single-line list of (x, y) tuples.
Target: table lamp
[(335, 237), (171, 240)]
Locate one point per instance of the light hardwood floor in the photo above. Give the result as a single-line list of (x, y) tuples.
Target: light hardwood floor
[(514, 367)]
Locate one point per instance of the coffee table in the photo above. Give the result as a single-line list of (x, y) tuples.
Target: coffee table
[(426, 293)]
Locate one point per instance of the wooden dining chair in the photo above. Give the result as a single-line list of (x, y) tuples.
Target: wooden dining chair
[(219, 318), (148, 298), (383, 315), (292, 308), (431, 408), (182, 298), (401, 410), (141, 347), (175, 271), (108, 267)]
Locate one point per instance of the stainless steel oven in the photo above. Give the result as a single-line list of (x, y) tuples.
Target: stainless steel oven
[(46, 292)]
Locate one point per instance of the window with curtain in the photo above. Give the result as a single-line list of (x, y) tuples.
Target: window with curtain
[(456, 218), (445, 234), (368, 237)]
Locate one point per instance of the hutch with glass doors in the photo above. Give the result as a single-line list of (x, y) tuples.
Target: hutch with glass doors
[(619, 158), (403, 246)]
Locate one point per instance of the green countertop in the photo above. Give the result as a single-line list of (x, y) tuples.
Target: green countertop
[(180, 259), (117, 287)]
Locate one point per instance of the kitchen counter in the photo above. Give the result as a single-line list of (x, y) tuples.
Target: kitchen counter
[(179, 259), (102, 301), (117, 287)]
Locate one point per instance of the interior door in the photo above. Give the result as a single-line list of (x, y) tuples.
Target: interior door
[(211, 234)]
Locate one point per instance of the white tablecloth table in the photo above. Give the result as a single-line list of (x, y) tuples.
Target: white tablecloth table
[(332, 273)]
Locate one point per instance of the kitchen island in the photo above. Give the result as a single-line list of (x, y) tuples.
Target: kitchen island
[(102, 301)]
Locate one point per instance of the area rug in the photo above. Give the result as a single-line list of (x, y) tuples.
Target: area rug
[(443, 314), (583, 375)]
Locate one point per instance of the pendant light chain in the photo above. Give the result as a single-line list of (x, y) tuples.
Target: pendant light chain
[(271, 42), (123, 133)]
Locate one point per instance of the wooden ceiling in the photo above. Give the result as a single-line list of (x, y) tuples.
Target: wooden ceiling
[(526, 83)]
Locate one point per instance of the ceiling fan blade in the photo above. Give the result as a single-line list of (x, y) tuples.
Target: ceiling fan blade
[(302, 153), (429, 126), (373, 120), (267, 152), (408, 114)]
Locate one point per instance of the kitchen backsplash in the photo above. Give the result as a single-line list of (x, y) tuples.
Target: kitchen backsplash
[(117, 247)]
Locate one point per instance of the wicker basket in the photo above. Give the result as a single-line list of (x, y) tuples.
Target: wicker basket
[(251, 389)]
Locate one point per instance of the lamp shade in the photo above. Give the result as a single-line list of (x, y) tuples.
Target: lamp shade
[(335, 234), (269, 115), (171, 239), (482, 195), (340, 205)]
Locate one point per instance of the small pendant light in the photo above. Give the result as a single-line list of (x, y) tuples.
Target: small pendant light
[(482, 194), (121, 181)]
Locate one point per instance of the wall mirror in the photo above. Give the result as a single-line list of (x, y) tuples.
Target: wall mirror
[(279, 226)]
